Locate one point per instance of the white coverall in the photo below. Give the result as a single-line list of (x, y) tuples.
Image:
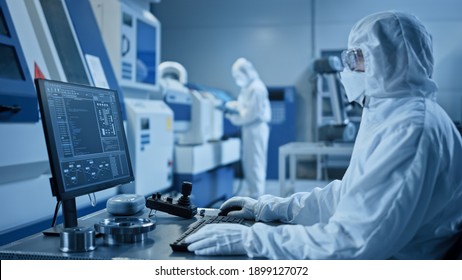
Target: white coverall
[(254, 114), (401, 195)]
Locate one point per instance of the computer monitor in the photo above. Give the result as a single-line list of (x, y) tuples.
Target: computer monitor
[(85, 139)]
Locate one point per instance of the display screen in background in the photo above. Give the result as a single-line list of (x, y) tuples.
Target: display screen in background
[(146, 53)]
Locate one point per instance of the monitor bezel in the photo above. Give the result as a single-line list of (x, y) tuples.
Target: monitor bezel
[(57, 180)]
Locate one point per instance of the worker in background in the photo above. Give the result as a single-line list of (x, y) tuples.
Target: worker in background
[(252, 111), (401, 195)]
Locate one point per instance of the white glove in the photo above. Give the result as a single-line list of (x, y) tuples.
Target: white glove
[(246, 204), (218, 239), (232, 105), (227, 110), (231, 109)]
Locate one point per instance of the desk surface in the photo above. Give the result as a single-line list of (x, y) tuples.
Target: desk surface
[(155, 247)]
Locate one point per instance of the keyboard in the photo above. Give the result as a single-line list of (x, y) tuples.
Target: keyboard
[(180, 246)]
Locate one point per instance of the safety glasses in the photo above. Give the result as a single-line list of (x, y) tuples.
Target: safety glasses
[(353, 59)]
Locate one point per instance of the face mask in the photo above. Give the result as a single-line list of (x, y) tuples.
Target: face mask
[(354, 84), (241, 79)]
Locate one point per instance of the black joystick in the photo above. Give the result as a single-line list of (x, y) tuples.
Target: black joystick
[(186, 189), (183, 208)]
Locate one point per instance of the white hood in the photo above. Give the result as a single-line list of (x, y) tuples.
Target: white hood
[(244, 72), (403, 65)]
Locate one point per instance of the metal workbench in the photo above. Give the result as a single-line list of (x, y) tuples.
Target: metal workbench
[(154, 247)]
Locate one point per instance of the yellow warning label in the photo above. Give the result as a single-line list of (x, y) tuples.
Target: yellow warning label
[(169, 124)]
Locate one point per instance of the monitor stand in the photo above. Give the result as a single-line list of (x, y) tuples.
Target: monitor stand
[(69, 210)]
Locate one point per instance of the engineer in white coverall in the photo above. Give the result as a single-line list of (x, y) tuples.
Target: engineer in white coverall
[(252, 112), (401, 195)]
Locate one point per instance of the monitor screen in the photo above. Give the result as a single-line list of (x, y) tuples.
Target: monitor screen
[(85, 138), (146, 64)]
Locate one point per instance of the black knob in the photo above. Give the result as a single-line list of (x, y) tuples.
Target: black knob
[(186, 188)]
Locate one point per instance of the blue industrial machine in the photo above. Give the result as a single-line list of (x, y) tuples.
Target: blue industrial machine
[(18, 101), (283, 123), (63, 43), (64, 33)]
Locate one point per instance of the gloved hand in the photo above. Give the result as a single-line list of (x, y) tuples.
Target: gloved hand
[(218, 239), (246, 203), (232, 105), (231, 108), (226, 109)]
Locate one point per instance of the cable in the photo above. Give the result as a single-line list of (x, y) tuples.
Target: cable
[(151, 214), (58, 205), (241, 169), (92, 201)]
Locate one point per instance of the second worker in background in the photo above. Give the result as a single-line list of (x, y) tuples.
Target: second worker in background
[(252, 111)]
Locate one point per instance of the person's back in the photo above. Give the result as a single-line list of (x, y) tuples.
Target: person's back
[(442, 153), (429, 150)]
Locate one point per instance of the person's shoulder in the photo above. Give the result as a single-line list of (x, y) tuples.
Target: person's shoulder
[(437, 121)]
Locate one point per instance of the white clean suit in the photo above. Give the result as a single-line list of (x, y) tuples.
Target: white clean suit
[(253, 115), (401, 196)]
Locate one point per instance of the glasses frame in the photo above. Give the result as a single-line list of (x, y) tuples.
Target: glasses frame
[(353, 59)]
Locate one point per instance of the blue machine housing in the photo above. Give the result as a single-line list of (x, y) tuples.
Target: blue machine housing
[(180, 105), (283, 124), (208, 187), (18, 99)]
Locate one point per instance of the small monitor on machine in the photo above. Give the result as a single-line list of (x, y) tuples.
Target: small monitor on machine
[(85, 139)]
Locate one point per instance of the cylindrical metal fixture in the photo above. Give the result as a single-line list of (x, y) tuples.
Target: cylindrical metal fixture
[(77, 239), (125, 229)]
